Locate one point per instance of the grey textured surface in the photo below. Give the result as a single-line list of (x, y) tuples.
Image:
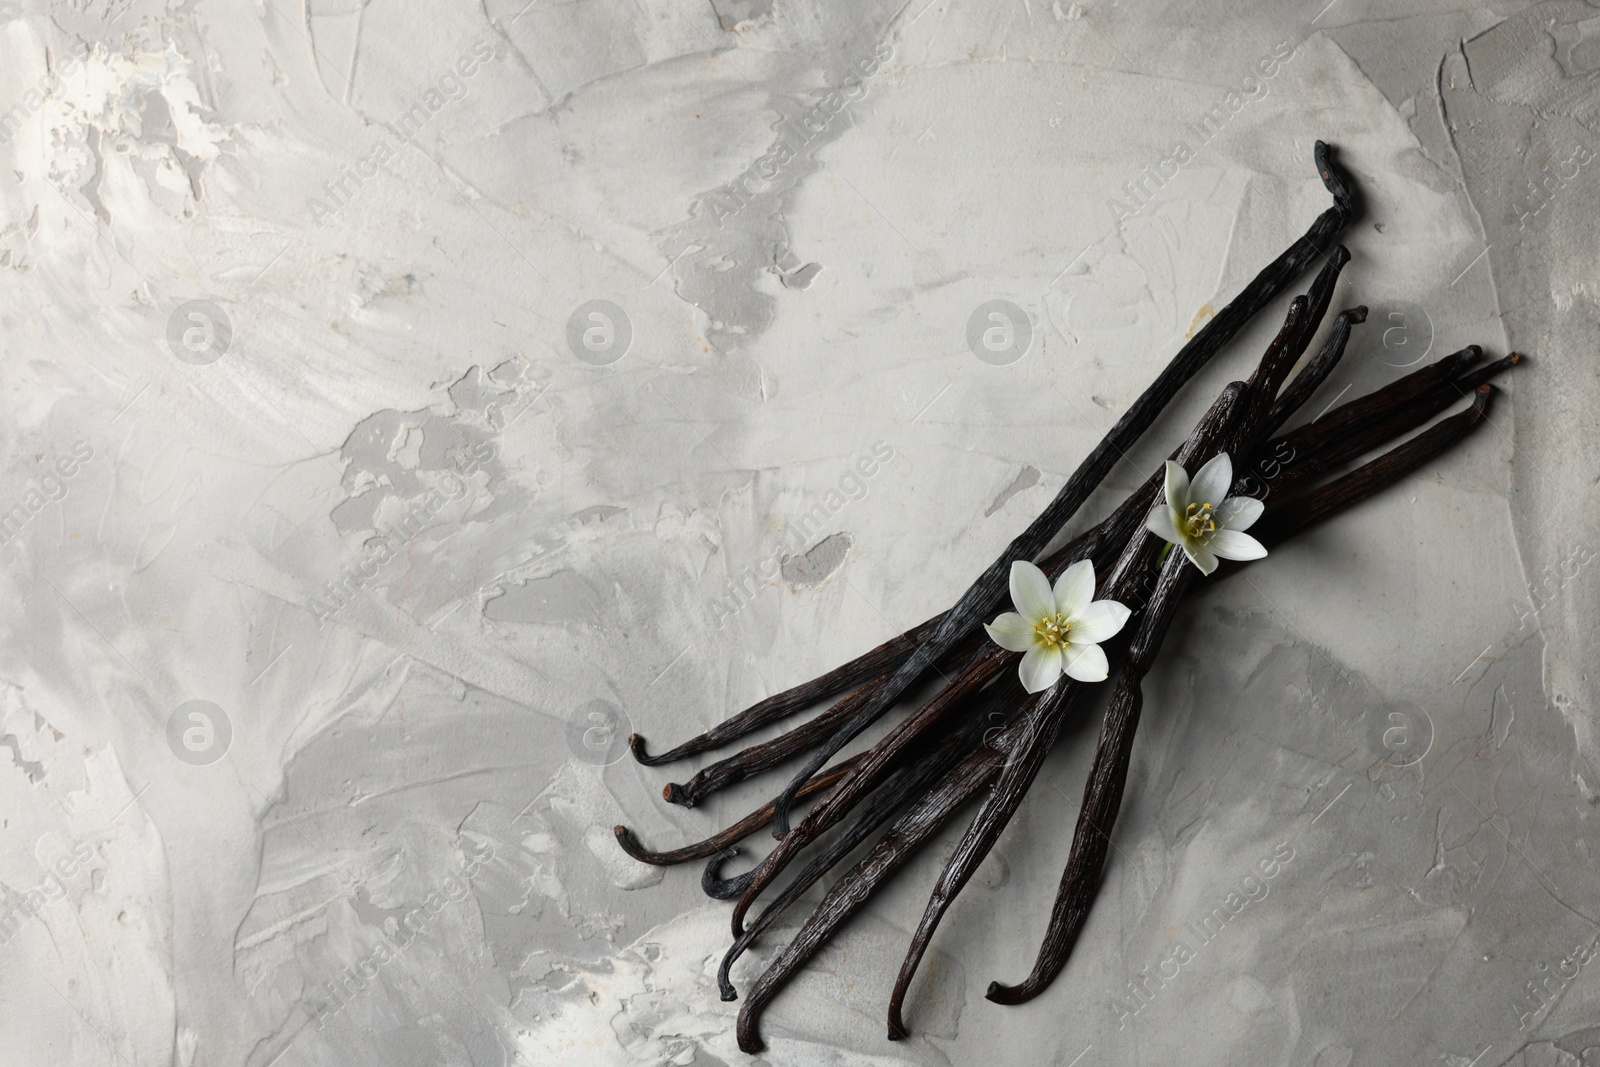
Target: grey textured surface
[(298, 297)]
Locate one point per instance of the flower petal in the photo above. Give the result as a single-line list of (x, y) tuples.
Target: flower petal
[(1075, 588), (1239, 513), (1040, 669), (1011, 632), (1087, 663), (1231, 544), (1159, 522), (1202, 557), (1098, 622), (1177, 487), (1030, 591), (1212, 482)]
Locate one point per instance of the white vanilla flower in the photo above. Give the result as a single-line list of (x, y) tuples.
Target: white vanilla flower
[(1059, 629), (1202, 519)]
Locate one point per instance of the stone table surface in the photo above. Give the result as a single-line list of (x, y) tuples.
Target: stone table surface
[(405, 401)]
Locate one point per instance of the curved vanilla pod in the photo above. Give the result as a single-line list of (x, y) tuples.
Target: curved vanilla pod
[(767, 755), (925, 817), (1385, 401), (1318, 504), (1376, 425), (727, 838), (1102, 796), (891, 793), (903, 785), (1311, 377), (1335, 454), (877, 761), (980, 596), (713, 885), (762, 757), (881, 660)]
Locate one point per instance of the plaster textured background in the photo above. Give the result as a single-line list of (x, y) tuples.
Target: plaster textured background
[(306, 418)]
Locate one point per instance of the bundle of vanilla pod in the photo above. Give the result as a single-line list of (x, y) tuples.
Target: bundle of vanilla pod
[(983, 735)]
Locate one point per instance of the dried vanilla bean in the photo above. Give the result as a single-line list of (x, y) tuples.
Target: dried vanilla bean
[(910, 831), (1364, 481), (727, 838), (880, 661), (1385, 401), (902, 786), (769, 754), (931, 763), (1377, 425), (865, 775), (1304, 384)]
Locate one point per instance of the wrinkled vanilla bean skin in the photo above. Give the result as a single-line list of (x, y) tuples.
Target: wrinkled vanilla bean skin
[(796, 698), (721, 842), (910, 780), (909, 832)]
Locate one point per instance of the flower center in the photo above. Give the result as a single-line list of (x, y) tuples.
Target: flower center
[(1198, 522), (1051, 631)]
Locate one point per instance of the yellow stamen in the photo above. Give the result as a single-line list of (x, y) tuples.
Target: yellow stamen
[(1198, 522), (1051, 631)]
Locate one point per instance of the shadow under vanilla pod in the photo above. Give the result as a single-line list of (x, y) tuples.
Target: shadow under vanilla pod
[(980, 736)]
